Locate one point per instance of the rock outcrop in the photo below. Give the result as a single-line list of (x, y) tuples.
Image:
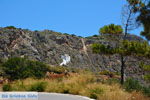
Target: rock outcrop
[(48, 46)]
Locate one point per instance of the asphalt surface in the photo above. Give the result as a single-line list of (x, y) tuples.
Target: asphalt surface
[(55, 96), (39, 96)]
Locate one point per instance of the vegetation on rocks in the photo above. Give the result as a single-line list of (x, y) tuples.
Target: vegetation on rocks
[(147, 77), (10, 27), (125, 48), (112, 56), (146, 69), (20, 70), (111, 29)]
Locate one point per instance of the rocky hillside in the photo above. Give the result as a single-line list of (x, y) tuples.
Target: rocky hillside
[(49, 47)]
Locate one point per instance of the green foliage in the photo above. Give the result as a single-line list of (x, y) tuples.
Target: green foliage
[(93, 96), (21, 68), (147, 77), (73, 35), (97, 90), (1, 67), (65, 91), (97, 47), (6, 87), (66, 34), (95, 36), (10, 27), (124, 48), (15, 67), (131, 85), (138, 48), (101, 48), (146, 91), (37, 69), (19, 86), (39, 87), (133, 2), (111, 29), (80, 36), (144, 19), (142, 7), (145, 67), (94, 92)]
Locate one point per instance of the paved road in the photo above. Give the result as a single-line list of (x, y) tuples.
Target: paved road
[(55, 96), (39, 96)]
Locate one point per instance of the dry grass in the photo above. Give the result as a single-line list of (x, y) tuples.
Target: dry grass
[(81, 84), (116, 93)]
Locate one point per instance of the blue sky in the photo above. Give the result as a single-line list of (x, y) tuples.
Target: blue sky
[(80, 17)]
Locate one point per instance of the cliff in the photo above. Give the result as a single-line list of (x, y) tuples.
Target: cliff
[(50, 47)]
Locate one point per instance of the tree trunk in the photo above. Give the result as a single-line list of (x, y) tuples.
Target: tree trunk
[(122, 69), (122, 57)]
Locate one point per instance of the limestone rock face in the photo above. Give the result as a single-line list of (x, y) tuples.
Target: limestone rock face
[(48, 46)]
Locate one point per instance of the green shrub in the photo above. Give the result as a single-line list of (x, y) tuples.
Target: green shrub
[(146, 67), (19, 86), (37, 69), (111, 29), (101, 48), (80, 36), (95, 36), (147, 77), (146, 91), (95, 92), (138, 48), (39, 87), (6, 87), (15, 68), (93, 96), (96, 48), (21, 68), (10, 27), (66, 34), (35, 30), (131, 85), (73, 35), (2, 73), (66, 91)]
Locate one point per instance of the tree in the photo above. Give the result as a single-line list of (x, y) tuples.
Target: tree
[(129, 23), (128, 18), (10, 27), (126, 48), (111, 29), (142, 10), (144, 19)]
